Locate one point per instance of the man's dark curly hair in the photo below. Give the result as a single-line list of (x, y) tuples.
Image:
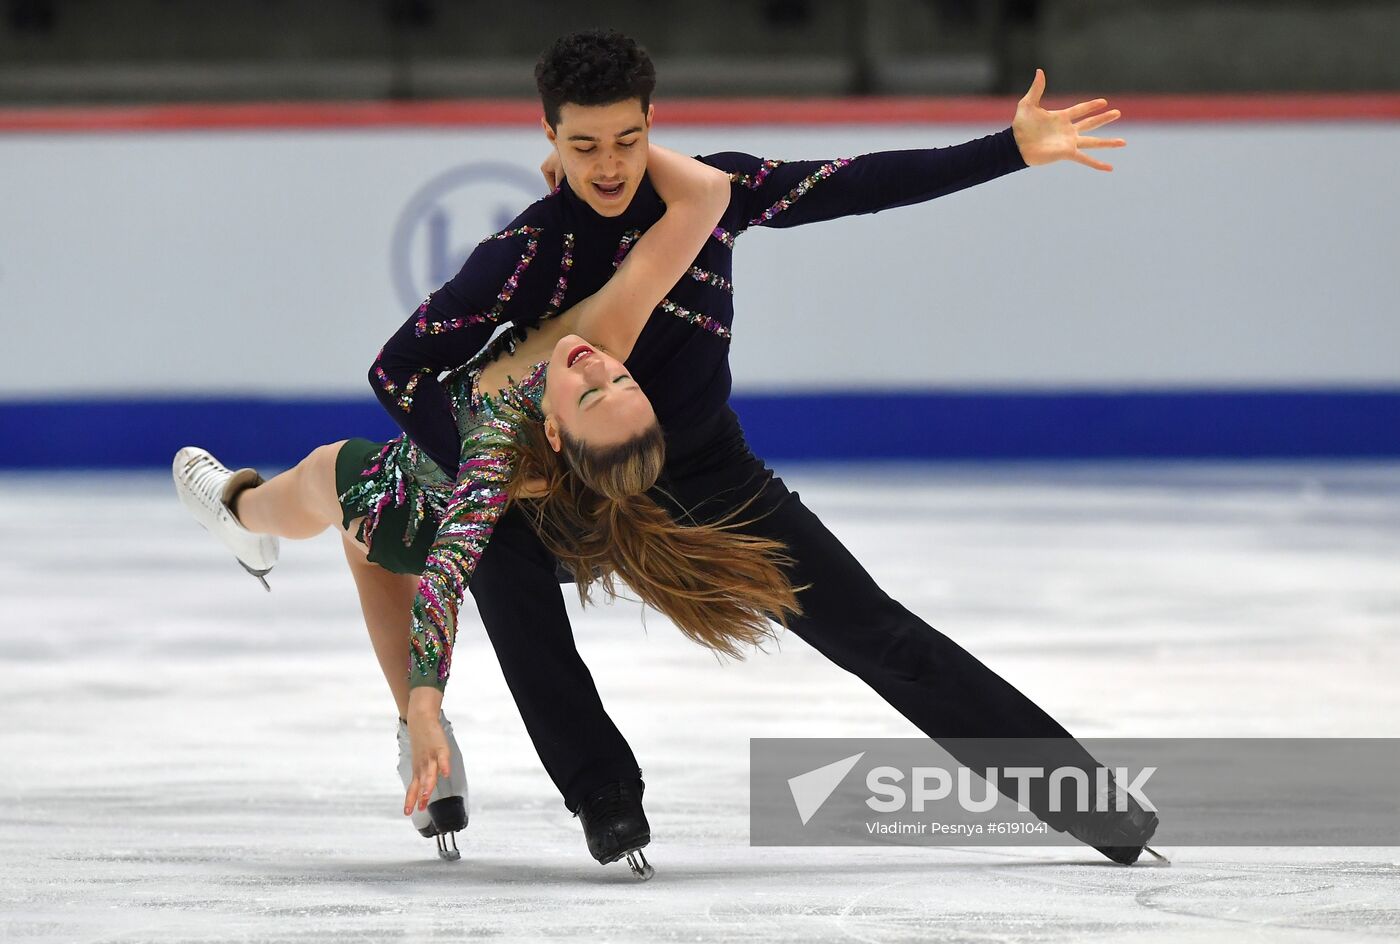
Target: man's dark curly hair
[(594, 67)]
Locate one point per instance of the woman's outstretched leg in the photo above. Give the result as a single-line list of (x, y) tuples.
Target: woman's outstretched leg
[(248, 515), (300, 503)]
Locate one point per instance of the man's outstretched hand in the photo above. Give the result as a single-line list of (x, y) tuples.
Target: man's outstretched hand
[(1048, 136)]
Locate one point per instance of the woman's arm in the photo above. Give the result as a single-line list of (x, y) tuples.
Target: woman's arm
[(696, 196), (487, 465), (477, 502)]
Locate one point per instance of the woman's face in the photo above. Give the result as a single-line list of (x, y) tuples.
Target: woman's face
[(592, 395)]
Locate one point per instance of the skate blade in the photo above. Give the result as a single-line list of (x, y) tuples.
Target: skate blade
[(637, 862), (1158, 860), (445, 853), (260, 574)]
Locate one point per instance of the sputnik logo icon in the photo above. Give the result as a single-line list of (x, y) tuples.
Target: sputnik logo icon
[(815, 787)]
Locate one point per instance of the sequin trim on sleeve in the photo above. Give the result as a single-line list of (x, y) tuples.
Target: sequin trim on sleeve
[(702, 321), (465, 530), (724, 236), (711, 278), (493, 314), (755, 180), (403, 397), (476, 503), (803, 187)]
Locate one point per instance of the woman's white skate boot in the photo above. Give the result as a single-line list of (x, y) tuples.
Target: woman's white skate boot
[(206, 488), (446, 814)]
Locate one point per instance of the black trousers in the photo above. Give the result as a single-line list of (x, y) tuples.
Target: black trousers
[(923, 674)]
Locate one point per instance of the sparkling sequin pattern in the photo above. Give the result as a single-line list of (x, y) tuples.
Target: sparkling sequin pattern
[(470, 517), (711, 278), (702, 321), (403, 398), (625, 246), (400, 476), (797, 193), (566, 263), (755, 180), (724, 236), (493, 314)]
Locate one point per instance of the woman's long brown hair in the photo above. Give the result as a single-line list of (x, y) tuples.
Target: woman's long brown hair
[(719, 586)]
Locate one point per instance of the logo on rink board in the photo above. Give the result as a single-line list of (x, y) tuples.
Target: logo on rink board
[(445, 219)]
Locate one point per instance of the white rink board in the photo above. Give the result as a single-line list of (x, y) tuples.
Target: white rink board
[(190, 759), (276, 263)]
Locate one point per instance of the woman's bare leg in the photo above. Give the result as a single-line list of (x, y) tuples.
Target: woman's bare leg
[(386, 600), (300, 503)]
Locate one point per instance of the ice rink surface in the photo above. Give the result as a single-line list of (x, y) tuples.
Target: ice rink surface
[(184, 757)]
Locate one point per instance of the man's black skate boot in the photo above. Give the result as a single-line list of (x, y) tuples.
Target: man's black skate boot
[(1122, 836), (615, 825)]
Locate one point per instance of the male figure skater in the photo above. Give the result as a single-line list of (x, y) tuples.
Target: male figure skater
[(596, 89)]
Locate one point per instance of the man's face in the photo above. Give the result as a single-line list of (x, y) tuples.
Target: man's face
[(603, 151)]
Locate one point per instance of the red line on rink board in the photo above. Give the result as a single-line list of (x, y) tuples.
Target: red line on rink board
[(680, 112)]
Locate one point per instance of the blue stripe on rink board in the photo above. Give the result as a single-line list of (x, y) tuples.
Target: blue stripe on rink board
[(1197, 424), (1178, 424)]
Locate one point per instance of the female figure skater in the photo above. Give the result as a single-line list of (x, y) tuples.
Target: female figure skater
[(545, 418)]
